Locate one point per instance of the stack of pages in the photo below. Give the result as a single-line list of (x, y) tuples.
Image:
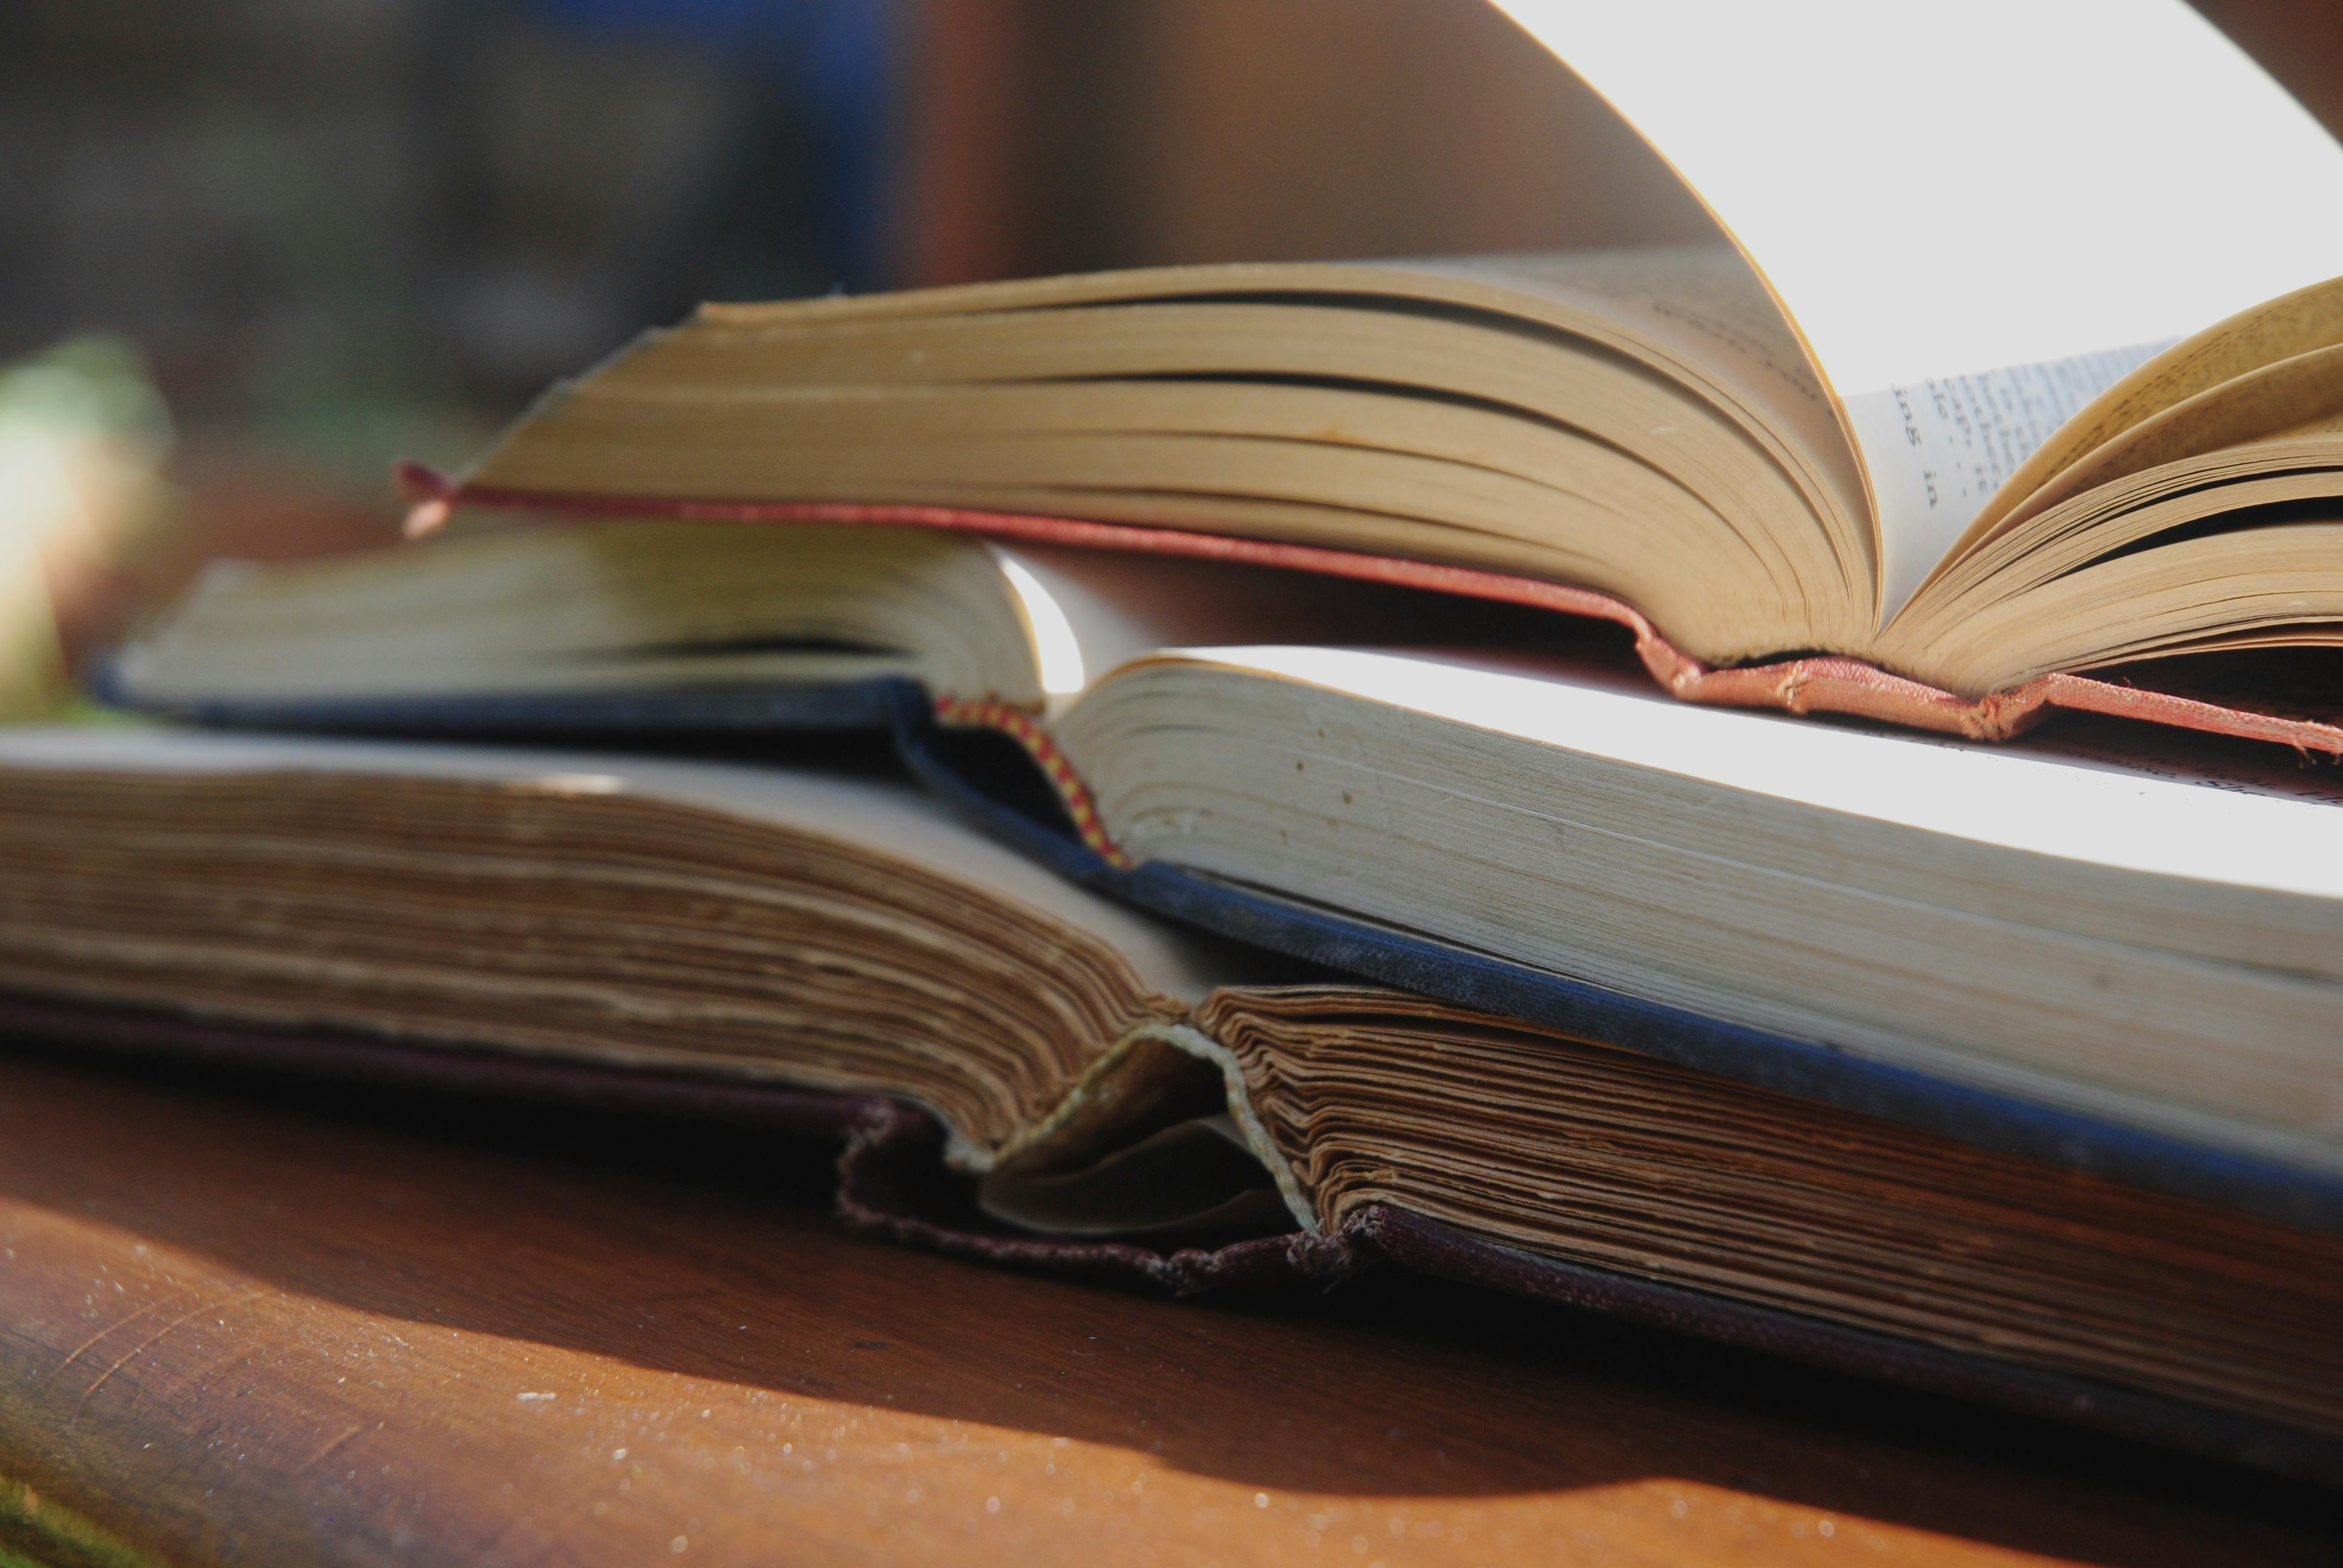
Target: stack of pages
[(1180, 750)]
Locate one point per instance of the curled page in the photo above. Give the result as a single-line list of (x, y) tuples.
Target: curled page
[(1976, 217)]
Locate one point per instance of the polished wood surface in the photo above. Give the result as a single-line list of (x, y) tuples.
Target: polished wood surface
[(253, 1323)]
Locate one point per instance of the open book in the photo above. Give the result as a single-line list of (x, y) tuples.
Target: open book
[(1923, 436), (1098, 1075)]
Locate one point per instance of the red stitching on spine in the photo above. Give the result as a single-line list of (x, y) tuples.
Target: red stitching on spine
[(983, 713)]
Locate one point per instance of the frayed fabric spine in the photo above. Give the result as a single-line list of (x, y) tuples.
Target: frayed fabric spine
[(984, 713)]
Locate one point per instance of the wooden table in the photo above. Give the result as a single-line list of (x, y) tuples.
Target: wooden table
[(269, 1325)]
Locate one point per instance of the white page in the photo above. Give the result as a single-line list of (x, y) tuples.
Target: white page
[(1978, 215), (2118, 817), (1090, 610)]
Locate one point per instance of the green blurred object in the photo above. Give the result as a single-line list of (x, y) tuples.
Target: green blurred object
[(39, 1533), (83, 435)]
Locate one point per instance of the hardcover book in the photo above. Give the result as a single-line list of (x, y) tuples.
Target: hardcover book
[(1928, 438), (1120, 1097)]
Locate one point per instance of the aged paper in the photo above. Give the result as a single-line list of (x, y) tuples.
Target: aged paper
[(1938, 448)]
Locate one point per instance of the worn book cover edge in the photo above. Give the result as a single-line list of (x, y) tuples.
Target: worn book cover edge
[(890, 1159)]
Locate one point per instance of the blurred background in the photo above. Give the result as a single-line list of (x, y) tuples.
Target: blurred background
[(252, 249)]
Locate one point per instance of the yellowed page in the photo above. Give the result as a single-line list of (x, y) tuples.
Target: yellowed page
[(2250, 376), (1713, 324), (1978, 216), (884, 817)]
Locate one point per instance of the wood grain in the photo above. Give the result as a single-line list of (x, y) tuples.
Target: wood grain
[(287, 1328)]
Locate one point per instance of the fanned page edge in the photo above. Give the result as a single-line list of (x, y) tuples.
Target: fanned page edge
[(1826, 684)]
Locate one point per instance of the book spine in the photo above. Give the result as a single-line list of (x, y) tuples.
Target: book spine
[(1082, 809)]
